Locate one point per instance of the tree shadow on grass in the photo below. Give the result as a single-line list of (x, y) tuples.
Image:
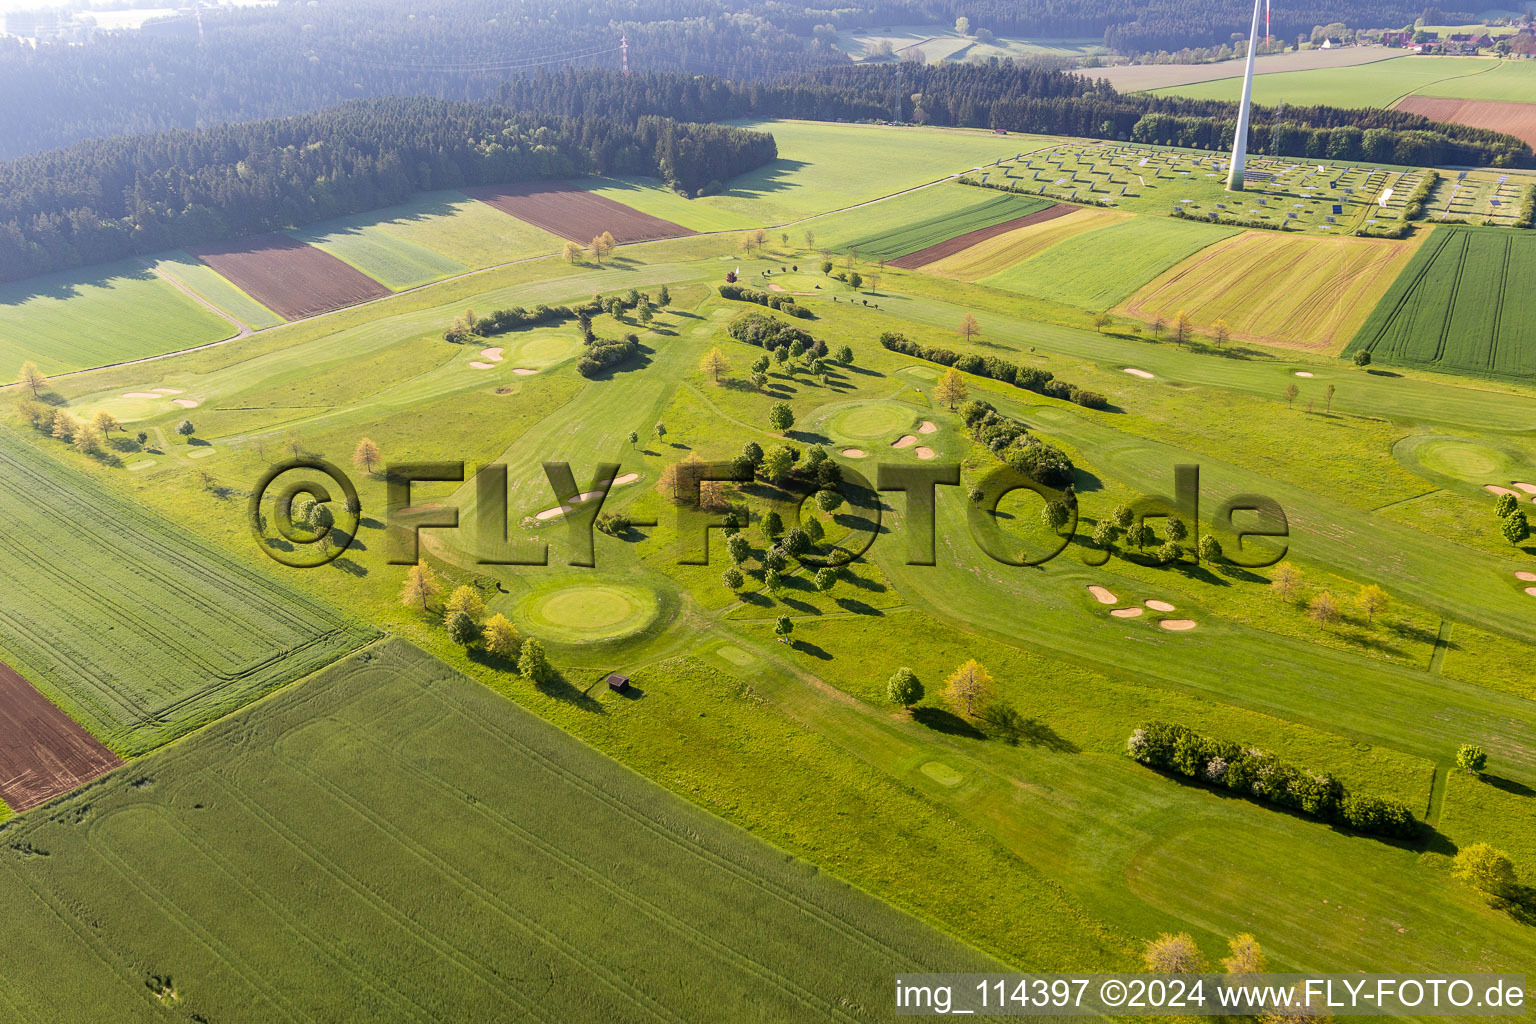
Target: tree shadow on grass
[(350, 567), (811, 649), (561, 689), (946, 722), (1509, 786), (856, 607)]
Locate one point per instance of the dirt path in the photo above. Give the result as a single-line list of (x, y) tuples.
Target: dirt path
[(242, 329)]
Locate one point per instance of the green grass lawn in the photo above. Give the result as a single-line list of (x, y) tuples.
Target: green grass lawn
[(1100, 268), (1379, 84), (209, 285), (81, 318), (1511, 81), (388, 813)]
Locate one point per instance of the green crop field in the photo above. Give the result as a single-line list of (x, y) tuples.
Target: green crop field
[(387, 258), (1378, 84), (109, 314), (208, 285), (1466, 303), (957, 814), (390, 812), (906, 239), (1099, 268), (1510, 80), (138, 630)]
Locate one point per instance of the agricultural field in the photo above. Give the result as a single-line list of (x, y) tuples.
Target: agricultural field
[(353, 829), (913, 243), (574, 213), (1128, 78), (139, 631), (43, 752), (938, 43), (1289, 291), (290, 278), (1507, 80), (1377, 84), (1099, 268), (1488, 198), (110, 314), (375, 810), (1517, 119), (201, 280), (386, 258), (1464, 304), (1284, 194)]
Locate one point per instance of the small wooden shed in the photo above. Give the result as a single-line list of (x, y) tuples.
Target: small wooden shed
[(618, 683)]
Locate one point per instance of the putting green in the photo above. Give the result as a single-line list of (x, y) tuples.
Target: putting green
[(942, 773), (537, 349), (877, 419), (585, 613), (1457, 458)]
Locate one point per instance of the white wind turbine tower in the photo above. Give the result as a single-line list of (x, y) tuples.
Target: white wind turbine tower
[(1240, 140)]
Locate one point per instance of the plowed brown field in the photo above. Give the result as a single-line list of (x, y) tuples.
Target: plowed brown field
[(1517, 119), (288, 277), (43, 752), (575, 213)]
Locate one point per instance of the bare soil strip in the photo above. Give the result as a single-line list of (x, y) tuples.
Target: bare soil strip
[(959, 243), (1517, 119), (289, 277), (43, 752), (575, 213)]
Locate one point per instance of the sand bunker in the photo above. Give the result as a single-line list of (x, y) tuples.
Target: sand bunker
[(924, 453), (627, 478), (1304, 373), (928, 427), (551, 513), (1160, 606), (1178, 625), (1139, 373), (1531, 591), (1496, 489), (491, 354), (142, 394), (1103, 596), (904, 441), (477, 364), (168, 391), (1528, 577), (522, 371), (1527, 488), (775, 287), (854, 453), (185, 403), (1125, 613)]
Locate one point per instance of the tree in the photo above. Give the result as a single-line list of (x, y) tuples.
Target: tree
[(634, 438), (738, 547), (1291, 391), (1101, 321), (825, 579), (951, 388), (31, 377), (1122, 516), (571, 252), (1371, 601), (782, 627), (828, 501), (732, 578), (185, 428), (962, 26), (89, 440), (1220, 332), (855, 280), (773, 579), (500, 638), (1209, 548), (781, 417), (1183, 327), (969, 688), (969, 328), (844, 355), (1471, 759), (1287, 581), (663, 297), (1169, 553), (1323, 609), (609, 242), (903, 688), (1505, 505), (661, 431), (773, 525), (1515, 527), (465, 599), (421, 585), (1174, 954), (1363, 358), (106, 423), (1055, 515), (1104, 534), (826, 267), (1157, 327), (796, 542), (1329, 395), (598, 250), (533, 664), (462, 629), (714, 364), (1247, 957), (778, 463), (1487, 870), (810, 239), (366, 455), (1176, 530)]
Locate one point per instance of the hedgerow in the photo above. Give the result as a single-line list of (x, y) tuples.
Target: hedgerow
[(1011, 441), (766, 332), (1027, 377), (1258, 775), (782, 303)]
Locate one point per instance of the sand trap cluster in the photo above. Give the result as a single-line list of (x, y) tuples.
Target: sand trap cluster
[(924, 453), (1140, 373), (1102, 595), (928, 427), (1126, 613), (904, 441), (478, 365), (1178, 625), (560, 510), (1496, 489), (853, 453), (1527, 488), (1159, 606)]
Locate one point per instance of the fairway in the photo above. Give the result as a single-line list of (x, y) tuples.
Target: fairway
[(1099, 268), (1465, 304), (138, 630), (101, 315), (1291, 291), (312, 853)]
